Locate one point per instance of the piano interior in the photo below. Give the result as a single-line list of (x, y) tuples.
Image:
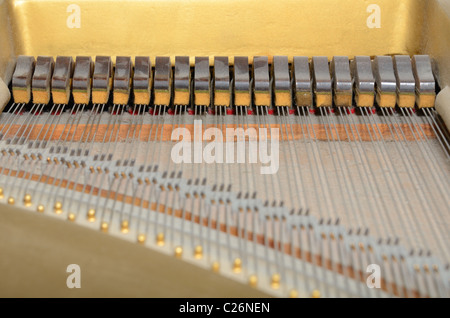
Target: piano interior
[(226, 148)]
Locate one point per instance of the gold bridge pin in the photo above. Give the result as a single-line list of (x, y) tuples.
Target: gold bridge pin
[(104, 227), (275, 283), (57, 207), (237, 265), (198, 252), (178, 251), (215, 267), (124, 227), (253, 280), (27, 200), (141, 238), (160, 239), (91, 215), (293, 293)]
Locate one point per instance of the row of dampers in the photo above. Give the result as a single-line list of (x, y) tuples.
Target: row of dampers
[(390, 81)]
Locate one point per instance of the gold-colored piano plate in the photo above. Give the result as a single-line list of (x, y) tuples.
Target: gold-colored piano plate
[(6, 47), (208, 28), (120, 269), (437, 42)]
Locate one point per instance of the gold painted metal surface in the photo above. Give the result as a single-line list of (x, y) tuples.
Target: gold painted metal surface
[(437, 38), (39, 249), (7, 59), (208, 28)]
